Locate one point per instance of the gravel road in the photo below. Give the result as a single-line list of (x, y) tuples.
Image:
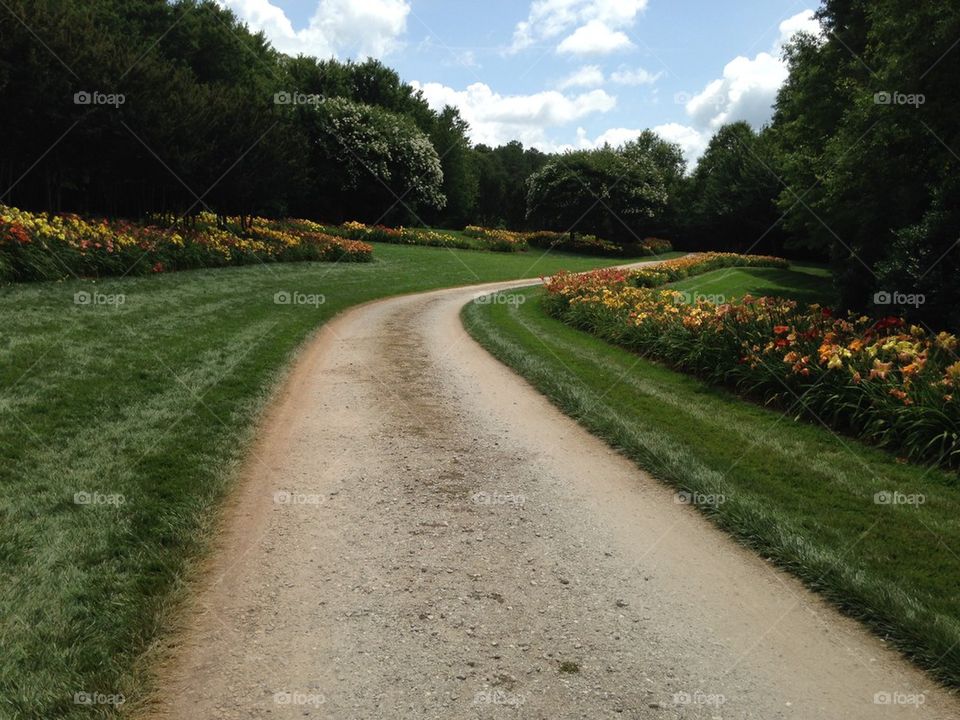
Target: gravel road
[(419, 534)]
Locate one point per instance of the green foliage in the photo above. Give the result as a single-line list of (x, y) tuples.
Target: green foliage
[(457, 160), (616, 194), (731, 194), (378, 164), (866, 132), (668, 158), (501, 183), (851, 168), (197, 127)]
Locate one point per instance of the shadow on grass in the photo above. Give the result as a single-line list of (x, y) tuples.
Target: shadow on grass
[(804, 284)]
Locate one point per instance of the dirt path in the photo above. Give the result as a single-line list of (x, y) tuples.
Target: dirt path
[(422, 535)]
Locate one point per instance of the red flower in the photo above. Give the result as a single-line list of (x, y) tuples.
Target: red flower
[(14, 232), (889, 321), (158, 267)]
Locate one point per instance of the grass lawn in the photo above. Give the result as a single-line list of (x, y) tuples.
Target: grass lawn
[(123, 421), (804, 282), (795, 492)]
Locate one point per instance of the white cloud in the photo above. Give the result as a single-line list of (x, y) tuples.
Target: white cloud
[(589, 21), (496, 119), (690, 141), (467, 58), (614, 137), (587, 76), (801, 22), (746, 91), (634, 77), (353, 27), (594, 38), (593, 76), (748, 87)]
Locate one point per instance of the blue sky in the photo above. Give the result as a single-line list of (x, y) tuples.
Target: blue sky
[(561, 73)]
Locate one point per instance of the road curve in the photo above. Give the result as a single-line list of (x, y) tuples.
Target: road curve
[(419, 534)]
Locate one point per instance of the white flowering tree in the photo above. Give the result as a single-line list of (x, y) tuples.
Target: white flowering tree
[(374, 165)]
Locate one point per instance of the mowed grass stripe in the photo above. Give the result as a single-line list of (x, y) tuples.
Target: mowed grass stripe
[(793, 490), (803, 282), (110, 397), (92, 550)]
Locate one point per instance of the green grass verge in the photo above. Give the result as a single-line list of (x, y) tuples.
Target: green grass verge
[(152, 400), (803, 282), (795, 492)]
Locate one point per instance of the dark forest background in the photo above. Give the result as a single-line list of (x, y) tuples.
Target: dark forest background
[(858, 165)]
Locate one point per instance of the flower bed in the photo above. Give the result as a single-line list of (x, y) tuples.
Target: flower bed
[(592, 245), (498, 240), (697, 264), (578, 243), (656, 246), (880, 380), (402, 235), (571, 242), (37, 246)]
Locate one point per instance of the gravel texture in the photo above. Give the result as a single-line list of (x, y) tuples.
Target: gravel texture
[(419, 534)]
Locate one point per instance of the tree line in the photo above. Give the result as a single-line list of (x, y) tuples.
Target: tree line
[(154, 108)]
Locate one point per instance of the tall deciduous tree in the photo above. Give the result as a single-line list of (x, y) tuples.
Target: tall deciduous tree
[(457, 159), (866, 128), (732, 192), (611, 193), (379, 166)]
